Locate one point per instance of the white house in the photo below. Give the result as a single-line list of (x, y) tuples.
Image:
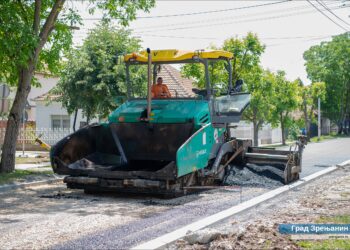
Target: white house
[(47, 82), (51, 115)]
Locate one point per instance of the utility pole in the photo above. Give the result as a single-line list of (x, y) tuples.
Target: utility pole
[(319, 118)]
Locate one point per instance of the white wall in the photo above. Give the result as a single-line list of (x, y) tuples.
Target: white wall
[(325, 126), (267, 134), (44, 113), (47, 82)]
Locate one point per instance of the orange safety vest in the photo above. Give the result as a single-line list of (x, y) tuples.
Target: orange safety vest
[(160, 91)]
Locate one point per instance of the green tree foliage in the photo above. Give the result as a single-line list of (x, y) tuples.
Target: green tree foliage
[(286, 99), (329, 62), (194, 71), (260, 87), (23, 36), (308, 105), (33, 35), (246, 56), (245, 65), (92, 80), (273, 97), (218, 73)]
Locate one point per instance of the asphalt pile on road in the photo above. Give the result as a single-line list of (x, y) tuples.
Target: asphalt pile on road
[(254, 176)]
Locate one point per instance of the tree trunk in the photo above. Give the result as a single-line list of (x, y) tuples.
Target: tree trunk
[(340, 127), (24, 80), (282, 129), (341, 120), (13, 123), (75, 119), (306, 118), (255, 133), (87, 118), (308, 134), (311, 115)]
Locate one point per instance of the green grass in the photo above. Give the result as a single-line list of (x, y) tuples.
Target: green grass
[(331, 243), (345, 194), (313, 139), (322, 137), (325, 244), (338, 219), (327, 137), (267, 244), (17, 175)]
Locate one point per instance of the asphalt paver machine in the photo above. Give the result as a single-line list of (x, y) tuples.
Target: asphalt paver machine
[(165, 146)]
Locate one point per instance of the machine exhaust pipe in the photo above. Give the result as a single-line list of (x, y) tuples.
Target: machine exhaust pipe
[(149, 85)]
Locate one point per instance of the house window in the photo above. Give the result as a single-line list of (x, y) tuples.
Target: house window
[(60, 121)]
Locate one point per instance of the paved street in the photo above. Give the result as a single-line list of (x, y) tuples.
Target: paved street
[(59, 218), (324, 154)]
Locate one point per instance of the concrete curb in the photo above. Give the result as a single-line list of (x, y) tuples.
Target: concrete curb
[(165, 240), (8, 187), (343, 164)]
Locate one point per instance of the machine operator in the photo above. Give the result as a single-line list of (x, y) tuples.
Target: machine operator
[(160, 90)]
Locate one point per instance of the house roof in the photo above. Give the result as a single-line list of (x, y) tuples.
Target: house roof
[(46, 97), (47, 82), (177, 85)]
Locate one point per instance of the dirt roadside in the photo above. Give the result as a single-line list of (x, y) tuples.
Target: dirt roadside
[(40, 217), (325, 200)]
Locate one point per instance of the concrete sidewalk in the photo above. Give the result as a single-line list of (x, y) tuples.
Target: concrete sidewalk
[(41, 165), (31, 154)]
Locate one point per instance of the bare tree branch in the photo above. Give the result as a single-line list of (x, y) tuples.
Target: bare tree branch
[(36, 23), (48, 26)]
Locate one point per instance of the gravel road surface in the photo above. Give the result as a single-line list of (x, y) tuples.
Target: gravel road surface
[(46, 215), (55, 217)]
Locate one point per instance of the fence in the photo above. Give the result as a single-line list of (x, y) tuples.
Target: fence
[(28, 136)]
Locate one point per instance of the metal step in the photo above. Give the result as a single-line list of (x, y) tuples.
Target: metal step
[(266, 156)]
